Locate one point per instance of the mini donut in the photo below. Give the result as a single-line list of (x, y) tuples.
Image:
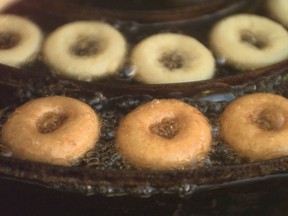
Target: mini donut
[(164, 134), (256, 126), (54, 129), (172, 58), (278, 10), (20, 40), (85, 50), (248, 42)]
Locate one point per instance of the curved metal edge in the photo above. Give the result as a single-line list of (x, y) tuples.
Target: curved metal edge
[(192, 11), (18, 78), (133, 182)]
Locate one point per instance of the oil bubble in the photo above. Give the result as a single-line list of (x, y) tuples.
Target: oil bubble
[(5, 151)]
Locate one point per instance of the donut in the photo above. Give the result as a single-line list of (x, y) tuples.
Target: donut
[(171, 58), (248, 42), (256, 126), (20, 40), (278, 10), (164, 134), (54, 129), (6, 3), (85, 50)]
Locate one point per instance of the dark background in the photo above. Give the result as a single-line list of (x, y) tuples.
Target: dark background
[(265, 197)]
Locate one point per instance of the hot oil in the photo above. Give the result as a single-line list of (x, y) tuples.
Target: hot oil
[(112, 109), (134, 32), (135, 5)]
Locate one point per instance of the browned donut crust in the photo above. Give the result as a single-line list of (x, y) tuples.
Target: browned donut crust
[(256, 126), (55, 130), (163, 135)]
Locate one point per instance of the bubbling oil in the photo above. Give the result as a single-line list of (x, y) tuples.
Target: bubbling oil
[(133, 32), (112, 109)]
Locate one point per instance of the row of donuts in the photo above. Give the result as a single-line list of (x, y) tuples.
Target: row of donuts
[(162, 134), (90, 50)]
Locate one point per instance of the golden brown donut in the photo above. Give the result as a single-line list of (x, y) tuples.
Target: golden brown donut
[(55, 130), (256, 126), (163, 135)]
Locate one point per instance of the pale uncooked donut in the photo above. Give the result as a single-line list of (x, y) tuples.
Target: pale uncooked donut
[(278, 10), (163, 135), (109, 54), (56, 130), (27, 43), (256, 126), (270, 39), (188, 59)]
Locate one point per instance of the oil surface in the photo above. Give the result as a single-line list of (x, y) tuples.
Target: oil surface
[(112, 109), (134, 32)]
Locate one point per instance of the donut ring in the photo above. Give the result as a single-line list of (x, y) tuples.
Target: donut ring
[(278, 10), (20, 40), (172, 58), (248, 41), (163, 135), (55, 130), (85, 50), (256, 126)]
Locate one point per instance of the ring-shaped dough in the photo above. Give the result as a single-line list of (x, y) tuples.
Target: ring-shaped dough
[(27, 40), (172, 58), (163, 135), (109, 50), (278, 10), (256, 126), (249, 41), (55, 130)]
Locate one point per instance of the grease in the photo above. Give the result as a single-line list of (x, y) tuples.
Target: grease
[(134, 32), (113, 109)]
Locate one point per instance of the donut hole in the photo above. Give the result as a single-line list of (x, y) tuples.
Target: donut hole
[(50, 122), (167, 128), (86, 47), (8, 40), (251, 39), (172, 60), (270, 119)]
